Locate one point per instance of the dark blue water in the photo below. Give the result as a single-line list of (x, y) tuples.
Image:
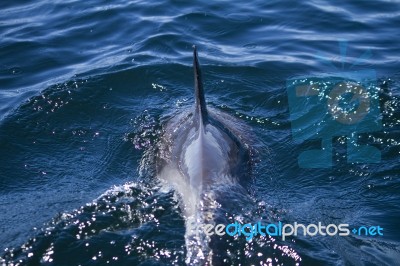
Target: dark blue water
[(85, 87)]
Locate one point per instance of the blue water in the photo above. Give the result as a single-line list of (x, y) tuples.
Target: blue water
[(85, 87)]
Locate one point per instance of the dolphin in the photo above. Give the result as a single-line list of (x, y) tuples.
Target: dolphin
[(202, 155)]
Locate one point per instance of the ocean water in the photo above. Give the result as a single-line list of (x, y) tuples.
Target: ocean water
[(86, 86)]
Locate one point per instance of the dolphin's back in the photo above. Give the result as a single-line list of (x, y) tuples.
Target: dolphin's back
[(199, 156), (210, 148)]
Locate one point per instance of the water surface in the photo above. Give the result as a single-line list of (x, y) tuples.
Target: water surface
[(86, 86)]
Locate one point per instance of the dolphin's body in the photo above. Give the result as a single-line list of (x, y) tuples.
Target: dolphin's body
[(202, 157)]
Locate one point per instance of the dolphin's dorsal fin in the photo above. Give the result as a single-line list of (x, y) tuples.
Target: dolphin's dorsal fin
[(200, 101)]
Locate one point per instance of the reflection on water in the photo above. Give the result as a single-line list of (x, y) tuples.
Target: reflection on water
[(86, 86)]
